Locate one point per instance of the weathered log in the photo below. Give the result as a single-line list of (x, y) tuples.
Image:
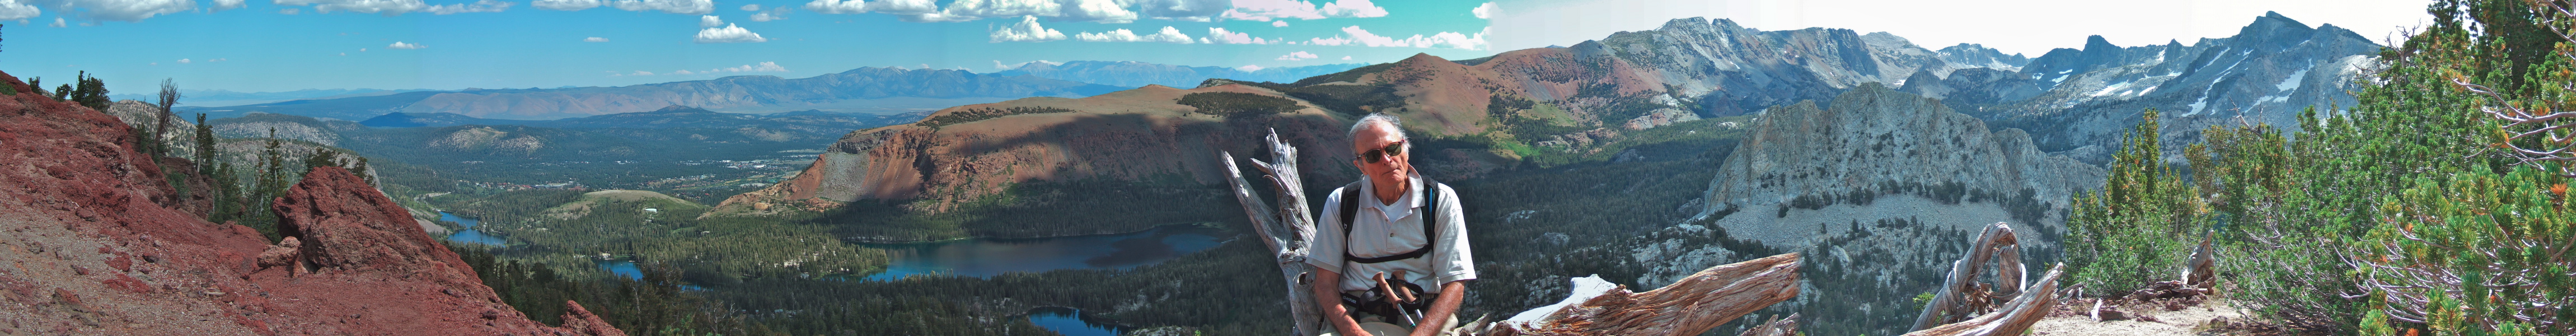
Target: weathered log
[(1779, 326), (2200, 271), (1287, 229), (1688, 307), (1958, 300), (2014, 318)]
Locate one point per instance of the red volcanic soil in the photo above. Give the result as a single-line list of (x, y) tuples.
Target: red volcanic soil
[(96, 243)]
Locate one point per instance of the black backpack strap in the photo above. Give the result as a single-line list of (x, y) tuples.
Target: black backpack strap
[(1430, 223), (1349, 207)]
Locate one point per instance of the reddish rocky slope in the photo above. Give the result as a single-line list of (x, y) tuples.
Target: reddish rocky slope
[(96, 245)]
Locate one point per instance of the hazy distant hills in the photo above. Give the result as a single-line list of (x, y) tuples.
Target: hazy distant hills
[(668, 117), (863, 89), (196, 97), (1139, 74), (867, 90)]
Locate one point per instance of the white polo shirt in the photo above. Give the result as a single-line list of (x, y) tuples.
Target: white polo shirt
[(1380, 229)]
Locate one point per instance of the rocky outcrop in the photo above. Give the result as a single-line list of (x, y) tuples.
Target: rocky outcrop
[(1873, 138), (96, 250)]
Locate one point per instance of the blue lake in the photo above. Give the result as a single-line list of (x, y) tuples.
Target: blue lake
[(470, 235), (1068, 321), (987, 257), (620, 267)]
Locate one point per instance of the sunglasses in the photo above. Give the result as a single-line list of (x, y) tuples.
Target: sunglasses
[(1381, 154)]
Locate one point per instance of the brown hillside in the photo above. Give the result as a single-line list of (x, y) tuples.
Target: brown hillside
[(98, 246), (1128, 135)]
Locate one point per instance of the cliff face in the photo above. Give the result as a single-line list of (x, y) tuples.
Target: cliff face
[(1875, 136), (1132, 135), (98, 247)]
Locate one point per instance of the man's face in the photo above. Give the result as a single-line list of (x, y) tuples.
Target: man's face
[(1392, 168)]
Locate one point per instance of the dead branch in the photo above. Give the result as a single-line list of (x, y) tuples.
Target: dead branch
[(2200, 271), (1779, 326), (2014, 319), (1688, 307), (1961, 296), (1286, 229)]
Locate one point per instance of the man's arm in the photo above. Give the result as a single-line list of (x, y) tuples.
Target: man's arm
[(1328, 296), (1451, 294)]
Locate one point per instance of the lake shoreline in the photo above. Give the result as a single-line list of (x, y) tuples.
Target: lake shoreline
[(896, 241)]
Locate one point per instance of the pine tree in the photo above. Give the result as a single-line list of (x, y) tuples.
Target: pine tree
[(205, 146)]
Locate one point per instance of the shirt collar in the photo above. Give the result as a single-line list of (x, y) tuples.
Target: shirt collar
[(1403, 204)]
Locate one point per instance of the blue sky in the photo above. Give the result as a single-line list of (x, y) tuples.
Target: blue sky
[(261, 47), (280, 45)]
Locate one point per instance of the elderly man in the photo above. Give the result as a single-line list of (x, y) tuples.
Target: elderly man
[(1385, 239)]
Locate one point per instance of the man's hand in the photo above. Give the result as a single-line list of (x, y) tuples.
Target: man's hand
[(1451, 294), (1328, 296)]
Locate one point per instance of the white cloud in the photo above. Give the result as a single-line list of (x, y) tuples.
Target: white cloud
[(1102, 11), (641, 73), (1266, 10), (1346, 58), (1027, 30), (289, 11), (107, 10), (401, 45), (1167, 35), (683, 72), (762, 67), (709, 21), (1353, 35), (594, 39), (1221, 36), (1298, 56), (994, 8), (1352, 9), (751, 8), (1485, 11), (228, 4), (58, 22), (837, 6), (1248, 68), (730, 33), (1183, 10), (14, 10), (365, 49), (667, 6), (998, 65), (386, 7), (564, 5), (184, 61), (904, 7), (215, 60), (1280, 23), (773, 14), (482, 6)]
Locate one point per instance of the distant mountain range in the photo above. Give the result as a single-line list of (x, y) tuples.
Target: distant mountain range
[(863, 89), (668, 117), (196, 97), (1139, 74), (866, 90)]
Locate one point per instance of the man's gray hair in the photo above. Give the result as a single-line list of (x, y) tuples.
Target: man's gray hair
[(1392, 124)]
